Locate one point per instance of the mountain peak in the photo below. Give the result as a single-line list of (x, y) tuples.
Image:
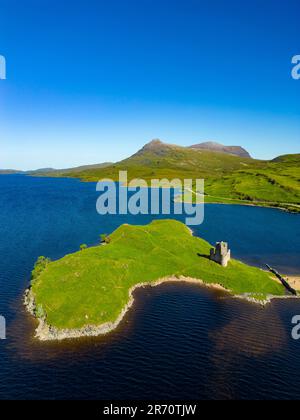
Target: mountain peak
[(217, 147), (159, 147), (153, 144), (156, 147)]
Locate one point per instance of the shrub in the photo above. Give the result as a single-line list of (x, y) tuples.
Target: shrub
[(40, 266)]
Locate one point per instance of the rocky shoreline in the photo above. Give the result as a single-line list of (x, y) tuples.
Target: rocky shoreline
[(45, 332)]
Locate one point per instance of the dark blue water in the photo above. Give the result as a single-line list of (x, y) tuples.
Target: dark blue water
[(179, 341)]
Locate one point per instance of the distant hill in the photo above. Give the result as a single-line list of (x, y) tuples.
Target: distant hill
[(87, 167), (59, 172), (9, 171), (40, 171), (55, 172), (167, 158), (34, 172), (229, 178), (160, 160), (288, 159), (217, 147), (232, 178)]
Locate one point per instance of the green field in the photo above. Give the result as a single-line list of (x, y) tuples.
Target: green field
[(91, 287), (228, 179), (277, 183)]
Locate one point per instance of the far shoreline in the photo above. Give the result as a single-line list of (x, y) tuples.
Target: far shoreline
[(264, 205)]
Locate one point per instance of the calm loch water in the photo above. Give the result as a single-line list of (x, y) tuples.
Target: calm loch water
[(180, 341)]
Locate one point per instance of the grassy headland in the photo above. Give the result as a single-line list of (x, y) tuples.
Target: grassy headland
[(92, 287)]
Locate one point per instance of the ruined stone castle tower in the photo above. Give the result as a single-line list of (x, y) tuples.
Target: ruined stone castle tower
[(221, 254)]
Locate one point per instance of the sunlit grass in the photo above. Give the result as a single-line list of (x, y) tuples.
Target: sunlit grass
[(92, 286)]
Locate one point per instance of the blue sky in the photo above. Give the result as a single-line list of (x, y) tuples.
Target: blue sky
[(91, 81)]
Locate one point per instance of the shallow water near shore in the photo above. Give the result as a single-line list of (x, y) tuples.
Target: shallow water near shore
[(178, 341)]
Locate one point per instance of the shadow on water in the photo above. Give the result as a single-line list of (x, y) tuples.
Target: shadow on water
[(199, 341), (25, 345)]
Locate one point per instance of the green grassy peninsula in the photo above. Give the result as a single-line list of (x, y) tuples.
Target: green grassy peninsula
[(88, 293)]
